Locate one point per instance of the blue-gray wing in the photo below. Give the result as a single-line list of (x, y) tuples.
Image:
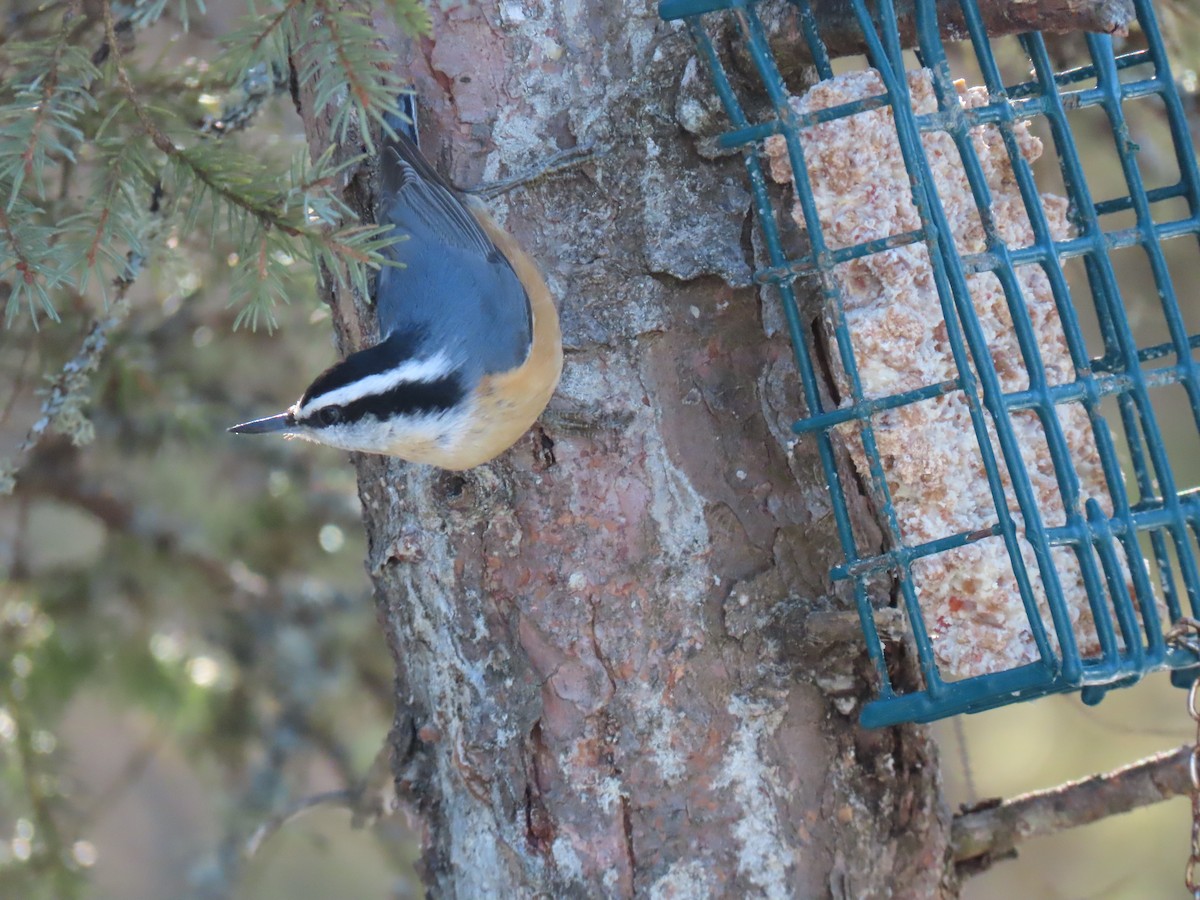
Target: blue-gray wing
[(456, 292)]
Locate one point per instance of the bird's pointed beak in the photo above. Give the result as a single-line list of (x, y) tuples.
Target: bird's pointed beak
[(282, 422)]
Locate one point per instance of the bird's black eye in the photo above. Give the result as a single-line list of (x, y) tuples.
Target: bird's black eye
[(330, 415)]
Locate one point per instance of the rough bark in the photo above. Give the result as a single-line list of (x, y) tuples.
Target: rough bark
[(605, 681)]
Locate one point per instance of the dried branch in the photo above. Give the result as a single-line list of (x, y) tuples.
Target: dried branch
[(337, 798), (986, 833), (372, 797), (843, 35)]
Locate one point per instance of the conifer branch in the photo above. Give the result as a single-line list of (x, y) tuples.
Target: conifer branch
[(339, 46), (23, 265), (98, 235), (50, 84), (275, 219), (264, 214), (276, 21)]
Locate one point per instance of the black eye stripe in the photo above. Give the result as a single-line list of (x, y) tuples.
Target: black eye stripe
[(396, 348), (408, 398)]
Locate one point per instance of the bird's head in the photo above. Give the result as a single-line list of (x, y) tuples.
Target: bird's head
[(374, 401)]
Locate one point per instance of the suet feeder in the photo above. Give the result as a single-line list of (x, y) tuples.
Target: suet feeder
[(1007, 367)]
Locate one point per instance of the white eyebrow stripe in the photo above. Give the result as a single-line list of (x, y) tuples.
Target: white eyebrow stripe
[(412, 371)]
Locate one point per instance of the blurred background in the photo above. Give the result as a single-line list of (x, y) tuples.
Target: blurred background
[(188, 643)]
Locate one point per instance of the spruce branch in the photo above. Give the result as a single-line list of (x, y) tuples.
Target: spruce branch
[(340, 51), (70, 21), (412, 16), (276, 21), (115, 225), (44, 122), (43, 94), (26, 249), (98, 236), (272, 211), (361, 86), (271, 219), (49, 84), (41, 100), (264, 213), (25, 267)]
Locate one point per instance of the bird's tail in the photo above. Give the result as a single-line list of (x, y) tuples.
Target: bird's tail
[(406, 122), (401, 158)]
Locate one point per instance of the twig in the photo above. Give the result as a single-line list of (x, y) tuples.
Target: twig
[(843, 34), (964, 759), (345, 797), (559, 162), (372, 797), (1000, 17), (987, 833)]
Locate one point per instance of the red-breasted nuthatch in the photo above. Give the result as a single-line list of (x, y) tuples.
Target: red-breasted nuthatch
[(469, 350)]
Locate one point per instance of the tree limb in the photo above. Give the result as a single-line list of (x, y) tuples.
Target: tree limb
[(986, 833)]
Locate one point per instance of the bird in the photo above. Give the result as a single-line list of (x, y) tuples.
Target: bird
[(470, 349)]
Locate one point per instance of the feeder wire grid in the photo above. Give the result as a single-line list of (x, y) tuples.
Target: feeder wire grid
[(1133, 553)]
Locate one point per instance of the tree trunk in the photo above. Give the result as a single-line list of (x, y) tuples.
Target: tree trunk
[(606, 680)]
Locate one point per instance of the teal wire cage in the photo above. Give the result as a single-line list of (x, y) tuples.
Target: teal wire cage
[(1047, 543)]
